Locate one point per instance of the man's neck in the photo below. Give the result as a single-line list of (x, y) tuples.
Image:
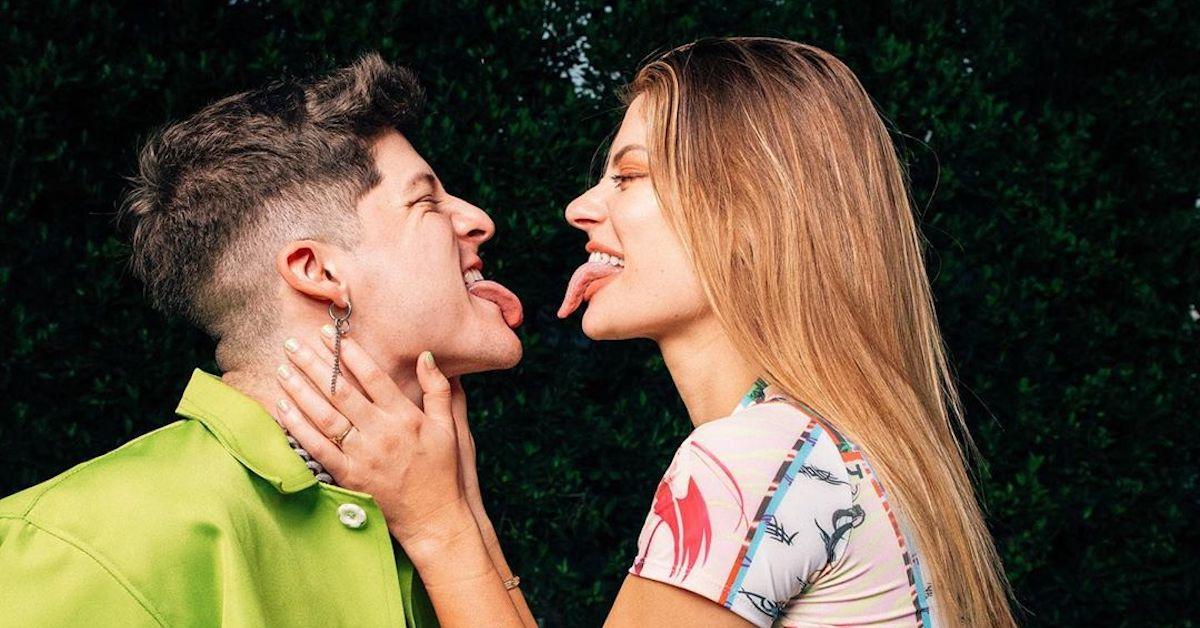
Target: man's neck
[(266, 391), (261, 385), (710, 374)]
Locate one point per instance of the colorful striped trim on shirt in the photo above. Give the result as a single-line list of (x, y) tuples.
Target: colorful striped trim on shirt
[(850, 453), (766, 509)]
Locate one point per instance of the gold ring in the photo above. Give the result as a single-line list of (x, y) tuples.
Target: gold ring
[(337, 440)]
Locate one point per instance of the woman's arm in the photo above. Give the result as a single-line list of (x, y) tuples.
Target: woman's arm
[(459, 573), (643, 602), (408, 461), (492, 543), (470, 481)]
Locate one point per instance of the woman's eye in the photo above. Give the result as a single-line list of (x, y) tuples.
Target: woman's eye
[(622, 179)]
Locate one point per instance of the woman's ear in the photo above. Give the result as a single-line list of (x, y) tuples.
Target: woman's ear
[(309, 268)]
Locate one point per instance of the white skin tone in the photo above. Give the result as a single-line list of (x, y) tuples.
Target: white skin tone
[(655, 296), (405, 282), (405, 273)]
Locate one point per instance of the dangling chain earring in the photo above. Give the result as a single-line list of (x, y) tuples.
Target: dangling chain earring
[(341, 326)]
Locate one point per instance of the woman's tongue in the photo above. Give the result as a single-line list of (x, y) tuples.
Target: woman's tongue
[(583, 277)]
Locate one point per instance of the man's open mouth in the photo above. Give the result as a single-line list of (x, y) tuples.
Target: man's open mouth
[(599, 266), (509, 304)]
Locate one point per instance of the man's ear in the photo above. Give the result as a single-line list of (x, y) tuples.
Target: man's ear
[(309, 268)]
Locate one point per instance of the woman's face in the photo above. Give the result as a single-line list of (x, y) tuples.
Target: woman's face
[(637, 280)]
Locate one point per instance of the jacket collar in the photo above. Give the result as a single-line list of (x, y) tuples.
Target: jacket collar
[(246, 431)]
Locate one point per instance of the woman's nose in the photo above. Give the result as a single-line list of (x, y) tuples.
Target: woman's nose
[(586, 211), (472, 223)]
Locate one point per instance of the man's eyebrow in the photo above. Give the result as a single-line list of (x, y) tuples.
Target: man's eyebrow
[(625, 149), (421, 177)]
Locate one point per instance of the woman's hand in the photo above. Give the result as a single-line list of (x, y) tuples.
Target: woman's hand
[(418, 465), (468, 474), (407, 459)]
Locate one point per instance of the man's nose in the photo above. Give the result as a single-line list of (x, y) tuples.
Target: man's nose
[(471, 223), (586, 211)]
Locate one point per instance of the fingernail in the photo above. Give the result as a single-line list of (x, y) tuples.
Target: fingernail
[(291, 345), (284, 371), (328, 330), (282, 404), (427, 358)]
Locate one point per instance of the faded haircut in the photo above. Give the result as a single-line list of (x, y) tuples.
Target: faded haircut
[(216, 195)]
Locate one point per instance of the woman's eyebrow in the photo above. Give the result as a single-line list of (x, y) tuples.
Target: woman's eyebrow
[(625, 149)]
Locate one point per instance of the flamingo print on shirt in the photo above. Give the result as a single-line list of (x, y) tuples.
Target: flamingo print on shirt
[(680, 508)]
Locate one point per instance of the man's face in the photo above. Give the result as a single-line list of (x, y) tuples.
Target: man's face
[(408, 276)]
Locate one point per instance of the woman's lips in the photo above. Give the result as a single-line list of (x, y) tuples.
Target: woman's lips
[(577, 289), (510, 305)]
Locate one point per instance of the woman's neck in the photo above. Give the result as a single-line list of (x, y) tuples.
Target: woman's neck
[(710, 374)]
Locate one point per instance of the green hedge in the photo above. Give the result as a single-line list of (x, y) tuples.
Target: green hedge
[(1053, 152)]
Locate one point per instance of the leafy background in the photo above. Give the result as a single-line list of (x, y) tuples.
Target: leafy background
[(1052, 149)]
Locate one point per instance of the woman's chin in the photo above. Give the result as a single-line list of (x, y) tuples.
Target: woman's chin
[(597, 326)]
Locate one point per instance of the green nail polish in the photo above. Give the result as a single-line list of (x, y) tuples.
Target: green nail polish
[(284, 371), (291, 345), (282, 404), (328, 330), (427, 357)]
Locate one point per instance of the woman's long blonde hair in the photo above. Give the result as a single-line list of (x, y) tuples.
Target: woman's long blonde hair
[(781, 180)]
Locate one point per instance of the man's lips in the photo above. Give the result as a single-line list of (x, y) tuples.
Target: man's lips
[(510, 305), (577, 288)]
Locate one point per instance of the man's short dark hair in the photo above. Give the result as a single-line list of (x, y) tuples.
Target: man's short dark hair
[(217, 194)]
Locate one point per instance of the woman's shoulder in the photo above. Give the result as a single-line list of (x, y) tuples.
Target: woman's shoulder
[(739, 514), (773, 437)]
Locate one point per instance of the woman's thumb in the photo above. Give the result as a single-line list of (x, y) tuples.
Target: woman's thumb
[(436, 389)]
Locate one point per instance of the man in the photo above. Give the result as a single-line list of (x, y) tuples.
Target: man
[(258, 218)]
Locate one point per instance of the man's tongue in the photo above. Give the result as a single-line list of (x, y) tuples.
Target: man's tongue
[(510, 305), (583, 277)]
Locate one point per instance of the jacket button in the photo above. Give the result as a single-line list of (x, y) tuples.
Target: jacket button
[(352, 515)]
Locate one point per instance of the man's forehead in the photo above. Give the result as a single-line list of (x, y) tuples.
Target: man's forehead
[(402, 167)]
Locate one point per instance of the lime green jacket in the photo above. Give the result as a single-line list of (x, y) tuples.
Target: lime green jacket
[(211, 520)]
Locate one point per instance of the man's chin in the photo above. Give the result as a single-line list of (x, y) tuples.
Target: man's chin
[(500, 351)]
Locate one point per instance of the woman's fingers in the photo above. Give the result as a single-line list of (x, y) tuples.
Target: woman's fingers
[(325, 355), (458, 405), (458, 400), (436, 389), (345, 398), (373, 380), (311, 404), (310, 438)]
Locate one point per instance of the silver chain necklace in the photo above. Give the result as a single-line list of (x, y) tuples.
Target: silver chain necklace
[(313, 465)]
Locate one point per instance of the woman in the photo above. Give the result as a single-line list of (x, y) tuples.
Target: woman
[(754, 222)]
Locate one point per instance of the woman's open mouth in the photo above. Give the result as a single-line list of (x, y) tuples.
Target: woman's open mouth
[(587, 280), (509, 304)]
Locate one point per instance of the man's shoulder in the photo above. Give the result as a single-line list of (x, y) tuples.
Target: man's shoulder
[(114, 529), (173, 462)]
